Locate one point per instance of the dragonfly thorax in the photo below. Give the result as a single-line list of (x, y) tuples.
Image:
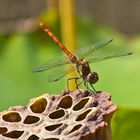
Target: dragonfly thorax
[(85, 72), (83, 67)]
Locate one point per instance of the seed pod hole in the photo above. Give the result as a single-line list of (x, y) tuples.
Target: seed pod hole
[(83, 115), (53, 127), (39, 105), (95, 103), (86, 93), (3, 130), (13, 134), (33, 137), (51, 139), (80, 104), (31, 119), (65, 102), (57, 114), (76, 127), (12, 117)]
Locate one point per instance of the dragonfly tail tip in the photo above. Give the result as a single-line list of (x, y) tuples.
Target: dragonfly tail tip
[(111, 39), (130, 53)]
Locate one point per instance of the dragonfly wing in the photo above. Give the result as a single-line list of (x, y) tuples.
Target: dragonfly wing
[(109, 56), (51, 64), (59, 74), (83, 52)]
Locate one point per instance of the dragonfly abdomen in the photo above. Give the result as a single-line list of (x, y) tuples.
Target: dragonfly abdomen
[(52, 35)]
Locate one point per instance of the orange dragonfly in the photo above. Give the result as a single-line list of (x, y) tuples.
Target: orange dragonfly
[(79, 64)]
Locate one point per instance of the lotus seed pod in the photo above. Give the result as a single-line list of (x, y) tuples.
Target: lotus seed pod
[(74, 115)]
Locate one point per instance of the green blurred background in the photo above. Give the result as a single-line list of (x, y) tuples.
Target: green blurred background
[(23, 46)]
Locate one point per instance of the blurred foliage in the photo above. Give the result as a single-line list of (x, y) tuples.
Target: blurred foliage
[(126, 124), (20, 53)]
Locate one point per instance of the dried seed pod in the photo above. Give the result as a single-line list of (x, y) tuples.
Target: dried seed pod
[(75, 115)]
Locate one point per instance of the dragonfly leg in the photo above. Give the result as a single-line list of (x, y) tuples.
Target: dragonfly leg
[(93, 88), (86, 85), (77, 85), (75, 79)]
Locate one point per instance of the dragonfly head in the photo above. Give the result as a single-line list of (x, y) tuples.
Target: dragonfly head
[(92, 77)]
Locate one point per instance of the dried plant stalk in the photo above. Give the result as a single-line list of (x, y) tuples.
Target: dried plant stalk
[(75, 115)]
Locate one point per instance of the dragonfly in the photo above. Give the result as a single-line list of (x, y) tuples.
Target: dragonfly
[(78, 64)]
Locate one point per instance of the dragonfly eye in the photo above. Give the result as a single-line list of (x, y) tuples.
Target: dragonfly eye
[(92, 77)]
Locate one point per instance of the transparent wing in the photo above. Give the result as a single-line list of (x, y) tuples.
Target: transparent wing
[(57, 75), (83, 52), (51, 64), (109, 56)]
